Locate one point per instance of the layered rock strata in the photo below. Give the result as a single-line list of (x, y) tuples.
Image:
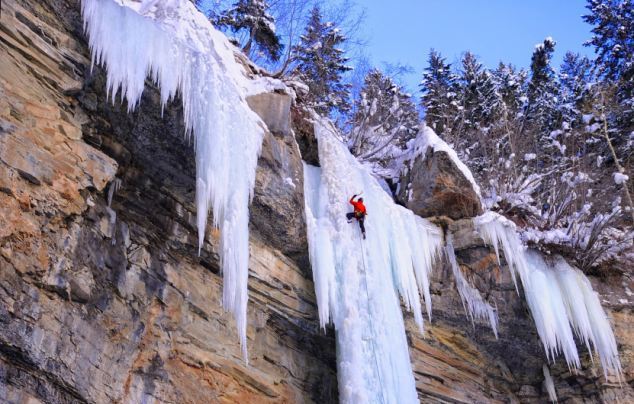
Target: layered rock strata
[(109, 301)]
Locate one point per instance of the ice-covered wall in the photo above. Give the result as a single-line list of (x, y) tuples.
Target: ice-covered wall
[(560, 297), (176, 46), (358, 282)]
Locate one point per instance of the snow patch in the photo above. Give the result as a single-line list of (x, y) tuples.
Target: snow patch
[(620, 178), (289, 181)]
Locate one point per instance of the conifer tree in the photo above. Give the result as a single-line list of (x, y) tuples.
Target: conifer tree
[(478, 96), (385, 119), (252, 16), (575, 78), (511, 87), (541, 110), (438, 90), (613, 42), (613, 37), (320, 63)]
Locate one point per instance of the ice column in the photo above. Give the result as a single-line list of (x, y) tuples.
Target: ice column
[(358, 282)]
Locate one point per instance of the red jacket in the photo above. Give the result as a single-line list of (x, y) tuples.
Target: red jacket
[(359, 207)]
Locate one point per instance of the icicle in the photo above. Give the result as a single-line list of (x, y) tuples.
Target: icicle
[(112, 189), (497, 230), (550, 386), (546, 302), (358, 282), (179, 49), (473, 303), (561, 298), (588, 318)]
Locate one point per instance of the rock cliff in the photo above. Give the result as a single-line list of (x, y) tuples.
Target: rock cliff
[(104, 298)]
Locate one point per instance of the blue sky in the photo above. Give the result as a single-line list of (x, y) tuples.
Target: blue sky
[(403, 31)]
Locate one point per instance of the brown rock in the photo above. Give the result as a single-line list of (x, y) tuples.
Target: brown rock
[(434, 186), (274, 109), (83, 320)]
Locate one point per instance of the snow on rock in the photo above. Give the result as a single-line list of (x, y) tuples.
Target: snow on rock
[(560, 297), (176, 46), (358, 282), (620, 178), (428, 138)]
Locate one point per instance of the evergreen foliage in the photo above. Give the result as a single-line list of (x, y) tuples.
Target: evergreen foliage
[(543, 91), (385, 119), (439, 94), (479, 98), (320, 63), (251, 16), (613, 37), (548, 146)]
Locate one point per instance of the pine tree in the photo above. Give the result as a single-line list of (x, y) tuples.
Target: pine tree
[(613, 42), (252, 16), (438, 90), (541, 110), (511, 86), (321, 63), (575, 78), (613, 37), (385, 119), (478, 96)]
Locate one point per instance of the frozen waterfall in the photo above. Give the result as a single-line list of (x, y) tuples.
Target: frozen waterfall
[(175, 45), (358, 282)]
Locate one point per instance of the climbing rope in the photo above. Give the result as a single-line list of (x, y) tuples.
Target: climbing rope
[(373, 336)]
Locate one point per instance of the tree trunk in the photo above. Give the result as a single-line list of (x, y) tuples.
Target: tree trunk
[(628, 197)]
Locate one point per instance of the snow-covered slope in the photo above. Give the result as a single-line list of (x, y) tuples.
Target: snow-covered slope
[(179, 49), (358, 282)]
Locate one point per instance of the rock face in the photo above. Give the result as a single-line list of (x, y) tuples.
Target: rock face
[(434, 186), (277, 212), (96, 310)]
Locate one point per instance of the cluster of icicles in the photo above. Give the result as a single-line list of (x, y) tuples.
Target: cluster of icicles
[(176, 46), (359, 284)]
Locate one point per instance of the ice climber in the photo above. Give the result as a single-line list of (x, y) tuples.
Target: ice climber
[(359, 213)]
